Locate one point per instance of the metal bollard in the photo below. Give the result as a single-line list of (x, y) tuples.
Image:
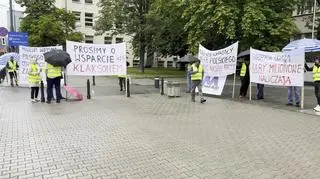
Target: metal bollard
[(162, 86), (93, 80), (128, 87), (88, 89), (42, 92)]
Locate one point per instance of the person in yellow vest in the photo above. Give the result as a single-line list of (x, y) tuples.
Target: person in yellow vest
[(316, 79), (54, 76), (12, 67), (122, 80), (196, 78), (34, 79), (189, 82), (245, 78)]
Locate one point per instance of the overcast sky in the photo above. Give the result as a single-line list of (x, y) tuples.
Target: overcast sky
[(4, 7)]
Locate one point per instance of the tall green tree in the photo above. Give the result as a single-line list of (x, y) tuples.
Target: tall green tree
[(261, 24), (125, 17), (48, 25), (165, 28)]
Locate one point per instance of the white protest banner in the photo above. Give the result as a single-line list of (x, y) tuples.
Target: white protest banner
[(96, 59), (28, 53), (219, 62), (277, 68), (217, 65), (213, 84)]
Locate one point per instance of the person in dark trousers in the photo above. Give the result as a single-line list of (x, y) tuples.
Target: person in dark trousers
[(245, 78), (34, 79), (316, 79), (122, 80), (12, 67), (54, 76), (260, 88), (197, 74)]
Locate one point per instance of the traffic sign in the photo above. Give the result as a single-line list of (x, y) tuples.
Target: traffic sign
[(18, 38), (3, 31)]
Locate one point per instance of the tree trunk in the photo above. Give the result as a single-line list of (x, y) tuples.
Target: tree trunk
[(142, 53)]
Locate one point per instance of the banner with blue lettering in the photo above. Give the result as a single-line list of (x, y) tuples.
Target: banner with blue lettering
[(28, 53), (217, 66)]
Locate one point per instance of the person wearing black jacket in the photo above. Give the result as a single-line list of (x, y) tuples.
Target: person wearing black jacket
[(316, 79), (245, 78)]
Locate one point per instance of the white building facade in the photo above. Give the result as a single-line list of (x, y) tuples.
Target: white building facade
[(86, 12)]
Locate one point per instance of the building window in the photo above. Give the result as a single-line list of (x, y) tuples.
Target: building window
[(88, 39), (169, 64), (77, 15), (119, 40), (88, 1), (75, 0), (88, 19), (107, 40)]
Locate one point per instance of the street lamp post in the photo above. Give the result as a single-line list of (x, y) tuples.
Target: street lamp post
[(314, 17)]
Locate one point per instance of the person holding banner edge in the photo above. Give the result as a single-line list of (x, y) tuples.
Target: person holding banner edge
[(34, 79), (122, 80), (197, 74), (316, 79), (296, 90), (12, 67), (245, 78)]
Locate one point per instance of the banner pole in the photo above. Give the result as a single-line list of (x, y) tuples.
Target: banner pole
[(234, 85), (250, 91), (302, 97), (65, 82)]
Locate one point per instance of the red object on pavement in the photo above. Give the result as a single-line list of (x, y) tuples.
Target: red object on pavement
[(74, 92)]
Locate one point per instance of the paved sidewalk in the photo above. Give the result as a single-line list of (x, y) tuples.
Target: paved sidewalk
[(152, 136)]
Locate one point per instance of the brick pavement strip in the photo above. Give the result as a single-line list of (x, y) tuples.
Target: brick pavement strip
[(151, 136)]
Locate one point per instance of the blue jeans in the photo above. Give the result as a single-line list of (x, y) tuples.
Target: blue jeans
[(260, 94), (189, 82), (296, 90)]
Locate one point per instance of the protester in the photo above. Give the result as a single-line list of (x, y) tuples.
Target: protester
[(296, 90), (245, 78), (34, 79), (122, 80), (189, 82), (54, 76), (12, 67), (316, 79), (196, 77), (260, 94)]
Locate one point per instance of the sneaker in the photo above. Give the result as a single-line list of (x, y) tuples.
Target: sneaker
[(33, 101), (289, 104), (48, 102), (297, 104), (58, 101), (317, 108), (203, 100)]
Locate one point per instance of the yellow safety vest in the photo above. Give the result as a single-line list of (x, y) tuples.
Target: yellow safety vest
[(243, 70), (53, 71), (32, 78), (198, 75), (189, 67), (12, 66), (122, 76), (316, 73)]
